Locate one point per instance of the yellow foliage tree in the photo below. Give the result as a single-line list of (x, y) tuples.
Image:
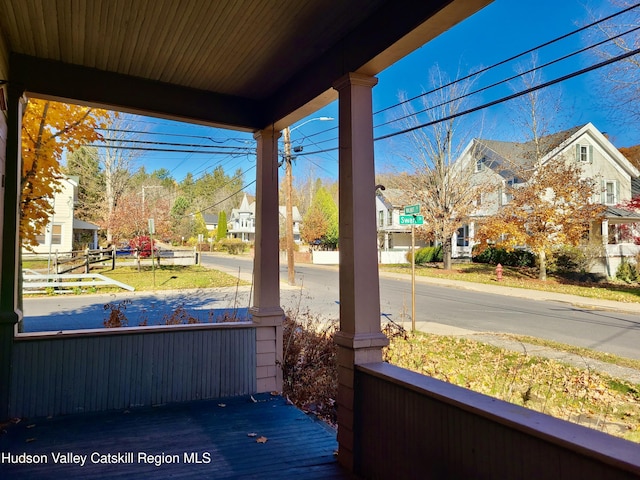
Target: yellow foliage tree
[(48, 129), (554, 207)]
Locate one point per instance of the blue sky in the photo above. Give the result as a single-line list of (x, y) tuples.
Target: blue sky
[(503, 29)]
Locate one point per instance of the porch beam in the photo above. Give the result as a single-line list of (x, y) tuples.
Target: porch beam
[(359, 339), (266, 310), (10, 312)]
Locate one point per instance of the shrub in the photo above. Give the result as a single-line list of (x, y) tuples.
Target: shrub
[(142, 244), (514, 258), (426, 255), (234, 246), (568, 259), (309, 368), (626, 271)]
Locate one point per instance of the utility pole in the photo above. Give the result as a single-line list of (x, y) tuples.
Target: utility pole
[(288, 187)]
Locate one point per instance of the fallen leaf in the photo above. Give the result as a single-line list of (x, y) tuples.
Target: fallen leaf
[(275, 394), (252, 434), (253, 399), (29, 440), (31, 426), (222, 405), (261, 440)]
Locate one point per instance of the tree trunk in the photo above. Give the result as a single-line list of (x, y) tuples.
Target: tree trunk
[(446, 254), (542, 258)]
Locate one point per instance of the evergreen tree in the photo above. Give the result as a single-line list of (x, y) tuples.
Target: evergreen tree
[(222, 226)]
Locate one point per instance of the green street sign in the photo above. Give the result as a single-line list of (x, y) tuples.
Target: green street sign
[(411, 209), (411, 220)]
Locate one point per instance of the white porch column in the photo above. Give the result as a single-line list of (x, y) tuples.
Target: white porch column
[(359, 339), (266, 310)]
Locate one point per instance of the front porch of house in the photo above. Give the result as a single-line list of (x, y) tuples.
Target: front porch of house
[(161, 390)]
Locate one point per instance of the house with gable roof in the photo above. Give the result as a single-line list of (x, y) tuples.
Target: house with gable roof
[(242, 221), (498, 162), (64, 232)]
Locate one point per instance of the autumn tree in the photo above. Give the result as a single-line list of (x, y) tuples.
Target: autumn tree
[(321, 221), (553, 207), (116, 161), (549, 201), (444, 191), (632, 154), (131, 217), (48, 129)]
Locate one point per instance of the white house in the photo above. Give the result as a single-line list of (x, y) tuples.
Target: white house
[(394, 239), (497, 162), (211, 221), (242, 221), (63, 230)]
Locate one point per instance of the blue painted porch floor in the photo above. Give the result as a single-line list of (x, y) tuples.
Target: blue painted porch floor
[(206, 439)]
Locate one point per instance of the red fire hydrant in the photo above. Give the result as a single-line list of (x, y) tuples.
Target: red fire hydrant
[(499, 272)]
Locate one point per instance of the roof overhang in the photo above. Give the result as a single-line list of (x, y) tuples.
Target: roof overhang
[(246, 64)]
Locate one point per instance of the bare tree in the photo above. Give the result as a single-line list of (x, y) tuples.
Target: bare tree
[(445, 190), (117, 161), (620, 80)]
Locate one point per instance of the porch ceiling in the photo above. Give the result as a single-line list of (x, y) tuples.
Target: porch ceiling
[(243, 64)]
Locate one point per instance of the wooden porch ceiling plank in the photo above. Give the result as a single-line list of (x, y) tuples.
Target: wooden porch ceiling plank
[(236, 61), (179, 43), (208, 40), (187, 52), (217, 67), (154, 28), (65, 30)]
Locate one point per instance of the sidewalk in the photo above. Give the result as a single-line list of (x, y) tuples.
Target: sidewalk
[(497, 340)]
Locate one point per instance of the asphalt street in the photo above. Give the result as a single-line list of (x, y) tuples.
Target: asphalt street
[(452, 308)]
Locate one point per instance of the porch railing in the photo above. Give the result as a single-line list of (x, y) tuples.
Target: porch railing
[(97, 370), (412, 426)]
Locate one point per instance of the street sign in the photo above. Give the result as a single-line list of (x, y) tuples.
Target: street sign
[(411, 209), (411, 220), (152, 226)]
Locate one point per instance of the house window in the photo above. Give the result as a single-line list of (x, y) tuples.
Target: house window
[(481, 164), (479, 200), (389, 217), (506, 196), (381, 218), (610, 193), (41, 237), (56, 235), (584, 153), (462, 239)]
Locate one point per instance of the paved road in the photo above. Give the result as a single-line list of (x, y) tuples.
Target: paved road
[(456, 308), (460, 307)]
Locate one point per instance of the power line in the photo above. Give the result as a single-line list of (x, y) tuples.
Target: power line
[(507, 80), (515, 95), (510, 59), (172, 150)]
